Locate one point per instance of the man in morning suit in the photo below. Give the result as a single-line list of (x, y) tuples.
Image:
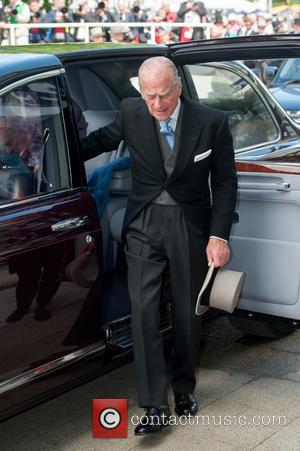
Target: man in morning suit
[(179, 213)]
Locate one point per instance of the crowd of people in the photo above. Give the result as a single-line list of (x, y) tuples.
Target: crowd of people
[(199, 22)]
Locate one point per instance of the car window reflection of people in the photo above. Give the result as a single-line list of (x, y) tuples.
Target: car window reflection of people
[(20, 144)]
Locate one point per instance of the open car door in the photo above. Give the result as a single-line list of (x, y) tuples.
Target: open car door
[(265, 242)]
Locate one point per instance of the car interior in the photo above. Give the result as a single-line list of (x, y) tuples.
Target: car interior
[(98, 89)]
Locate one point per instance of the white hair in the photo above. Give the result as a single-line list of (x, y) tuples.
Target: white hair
[(156, 65)]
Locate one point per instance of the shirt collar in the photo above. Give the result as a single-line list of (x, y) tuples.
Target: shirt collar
[(174, 115)]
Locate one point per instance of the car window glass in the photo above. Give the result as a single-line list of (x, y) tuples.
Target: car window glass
[(290, 69), (33, 157), (219, 87), (282, 78)]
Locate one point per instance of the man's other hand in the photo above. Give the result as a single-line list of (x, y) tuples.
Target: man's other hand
[(217, 252)]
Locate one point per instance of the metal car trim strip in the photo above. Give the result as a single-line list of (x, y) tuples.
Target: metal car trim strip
[(275, 168), (58, 86), (42, 370), (46, 196), (31, 78)]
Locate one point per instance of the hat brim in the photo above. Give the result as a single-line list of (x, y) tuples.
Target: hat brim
[(224, 292)]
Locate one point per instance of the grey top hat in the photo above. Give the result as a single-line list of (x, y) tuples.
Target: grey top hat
[(225, 290)]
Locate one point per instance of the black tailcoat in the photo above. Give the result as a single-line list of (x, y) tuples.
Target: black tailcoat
[(203, 129)]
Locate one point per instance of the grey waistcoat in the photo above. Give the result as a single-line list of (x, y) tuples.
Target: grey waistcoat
[(169, 159)]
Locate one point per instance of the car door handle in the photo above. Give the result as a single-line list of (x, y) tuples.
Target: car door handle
[(278, 186), (284, 186), (70, 224)]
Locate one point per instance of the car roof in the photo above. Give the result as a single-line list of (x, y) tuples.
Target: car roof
[(15, 63)]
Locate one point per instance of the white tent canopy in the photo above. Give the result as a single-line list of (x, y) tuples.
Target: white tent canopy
[(236, 5)]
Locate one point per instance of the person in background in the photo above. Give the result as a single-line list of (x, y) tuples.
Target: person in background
[(261, 26), (278, 26), (138, 15), (36, 35), (233, 27), (164, 35), (120, 34), (17, 12), (59, 14), (103, 14), (296, 26), (193, 13), (1, 22), (97, 34), (169, 14), (218, 30), (269, 26), (81, 14), (122, 13), (249, 28)]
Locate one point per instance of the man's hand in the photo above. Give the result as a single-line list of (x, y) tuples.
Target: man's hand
[(217, 252)]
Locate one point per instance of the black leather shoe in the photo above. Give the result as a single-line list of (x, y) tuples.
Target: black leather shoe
[(154, 420), (185, 404), (16, 315)]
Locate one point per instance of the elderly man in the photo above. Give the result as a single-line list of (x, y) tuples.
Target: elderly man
[(176, 144)]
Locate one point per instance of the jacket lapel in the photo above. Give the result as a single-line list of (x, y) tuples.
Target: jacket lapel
[(191, 129), (148, 139)]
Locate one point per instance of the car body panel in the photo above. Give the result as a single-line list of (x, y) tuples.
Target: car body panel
[(265, 242)]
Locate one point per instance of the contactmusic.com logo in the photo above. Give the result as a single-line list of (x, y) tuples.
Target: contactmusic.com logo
[(110, 418)]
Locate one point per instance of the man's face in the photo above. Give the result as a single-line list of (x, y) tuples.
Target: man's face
[(118, 37), (34, 6), (121, 6), (248, 24), (160, 93), (59, 4)]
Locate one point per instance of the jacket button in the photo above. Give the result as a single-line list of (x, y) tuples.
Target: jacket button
[(165, 185)]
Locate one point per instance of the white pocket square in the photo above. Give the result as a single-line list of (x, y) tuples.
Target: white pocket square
[(201, 156)]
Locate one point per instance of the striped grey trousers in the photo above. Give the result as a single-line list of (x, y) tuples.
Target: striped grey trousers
[(159, 237)]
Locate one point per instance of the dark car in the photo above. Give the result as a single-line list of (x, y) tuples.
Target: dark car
[(65, 310), (285, 86)]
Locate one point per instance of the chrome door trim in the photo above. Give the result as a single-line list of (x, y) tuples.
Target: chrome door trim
[(48, 367), (31, 78), (70, 224), (37, 197)]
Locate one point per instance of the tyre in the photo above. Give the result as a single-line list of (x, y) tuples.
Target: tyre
[(260, 328)]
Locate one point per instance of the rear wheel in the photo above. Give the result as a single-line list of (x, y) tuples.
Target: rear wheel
[(260, 328)]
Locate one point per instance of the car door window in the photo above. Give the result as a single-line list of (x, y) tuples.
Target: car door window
[(33, 156), (250, 121)]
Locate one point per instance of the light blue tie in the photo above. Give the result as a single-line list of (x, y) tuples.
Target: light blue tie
[(167, 130)]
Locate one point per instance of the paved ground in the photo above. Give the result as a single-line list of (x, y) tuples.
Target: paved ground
[(248, 390)]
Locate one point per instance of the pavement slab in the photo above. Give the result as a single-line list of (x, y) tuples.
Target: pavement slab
[(239, 380)]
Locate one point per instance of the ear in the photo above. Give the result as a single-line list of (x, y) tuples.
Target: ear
[(179, 88)]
